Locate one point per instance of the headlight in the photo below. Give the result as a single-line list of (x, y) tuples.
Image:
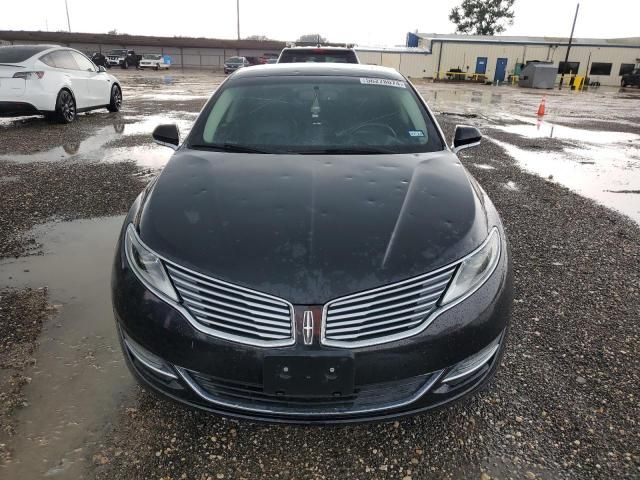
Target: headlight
[(475, 269), (147, 266)]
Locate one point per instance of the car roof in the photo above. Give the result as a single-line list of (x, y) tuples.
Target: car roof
[(317, 69), (31, 48), (318, 47)]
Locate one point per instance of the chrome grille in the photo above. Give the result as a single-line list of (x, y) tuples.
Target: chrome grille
[(384, 314), (233, 312)]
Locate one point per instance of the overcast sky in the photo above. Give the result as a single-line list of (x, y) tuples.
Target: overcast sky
[(366, 22)]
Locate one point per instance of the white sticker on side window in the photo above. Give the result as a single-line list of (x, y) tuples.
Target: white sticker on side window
[(384, 82)]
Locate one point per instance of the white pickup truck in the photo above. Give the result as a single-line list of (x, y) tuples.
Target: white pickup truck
[(155, 61)]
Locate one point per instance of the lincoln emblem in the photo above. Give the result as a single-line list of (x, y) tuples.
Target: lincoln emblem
[(307, 327)]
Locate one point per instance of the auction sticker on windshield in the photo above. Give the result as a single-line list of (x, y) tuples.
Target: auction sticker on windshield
[(383, 81)]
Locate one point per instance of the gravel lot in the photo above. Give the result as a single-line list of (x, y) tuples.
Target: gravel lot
[(564, 403)]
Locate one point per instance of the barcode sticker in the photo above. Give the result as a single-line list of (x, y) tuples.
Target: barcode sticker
[(384, 82)]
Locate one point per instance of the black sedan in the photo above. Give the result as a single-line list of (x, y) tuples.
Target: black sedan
[(313, 252)]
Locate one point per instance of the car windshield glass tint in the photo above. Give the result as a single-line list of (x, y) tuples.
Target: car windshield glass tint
[(234, 61), (118, 52), (19, 54), (286, 114), (318, 56), (151, 57)]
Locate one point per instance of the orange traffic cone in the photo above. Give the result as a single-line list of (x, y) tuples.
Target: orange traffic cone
[(541, 107)]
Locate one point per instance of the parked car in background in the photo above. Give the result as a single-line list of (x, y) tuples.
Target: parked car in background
[(121, 57), (155, 61), (313, 251), (269, 58), (55, 81), (632, 78), (234, 63), (318, 54)]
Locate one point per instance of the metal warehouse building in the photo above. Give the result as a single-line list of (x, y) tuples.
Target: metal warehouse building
[(185, 52), (497, 57)]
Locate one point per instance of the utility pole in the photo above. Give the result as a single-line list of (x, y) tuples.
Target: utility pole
[(566, 58), (238, 14), (66, 6)]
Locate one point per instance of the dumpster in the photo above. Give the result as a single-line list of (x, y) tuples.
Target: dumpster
[(538, 75)]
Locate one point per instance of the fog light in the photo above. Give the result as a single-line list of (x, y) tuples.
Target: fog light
[(474, 362), (148, 359)]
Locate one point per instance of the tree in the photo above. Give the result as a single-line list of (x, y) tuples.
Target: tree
[(262, 38), (112, 32), (482, 17), (311, 38)]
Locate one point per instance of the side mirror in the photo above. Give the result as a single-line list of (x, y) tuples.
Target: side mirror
[(167, 135), (465, 137), (101, 69)]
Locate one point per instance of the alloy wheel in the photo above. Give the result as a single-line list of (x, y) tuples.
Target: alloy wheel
[(67, 106), (116, 96)]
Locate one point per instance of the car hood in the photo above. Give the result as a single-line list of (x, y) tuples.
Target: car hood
[(312, 228)]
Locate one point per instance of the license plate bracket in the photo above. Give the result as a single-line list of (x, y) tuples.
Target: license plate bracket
[(308, 375)]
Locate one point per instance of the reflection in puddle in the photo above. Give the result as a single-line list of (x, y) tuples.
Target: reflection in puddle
[(538, 129), (95, 148), (611, 168), (483, 166), (151, 156), (172, 97)]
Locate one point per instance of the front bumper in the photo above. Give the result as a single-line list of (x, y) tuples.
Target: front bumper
[(393, 379)]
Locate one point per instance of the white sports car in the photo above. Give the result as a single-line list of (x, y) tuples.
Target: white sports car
[(55, 81)]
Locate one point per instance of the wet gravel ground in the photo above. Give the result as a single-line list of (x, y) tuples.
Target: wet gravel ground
[(39, 192), (22, 314), (564, 403)]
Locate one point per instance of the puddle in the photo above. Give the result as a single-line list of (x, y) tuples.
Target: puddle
[(597, 172), (172, 97), (483, 166), (8, 179), (152, 156), (510, 185), (534, 129), (79, 378), (94, 148)]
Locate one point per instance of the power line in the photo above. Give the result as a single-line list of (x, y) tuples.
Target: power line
[(566, 58), (66, 6)]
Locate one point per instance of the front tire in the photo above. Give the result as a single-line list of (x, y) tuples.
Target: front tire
[(115, 101), (125, 65), (65, 107)]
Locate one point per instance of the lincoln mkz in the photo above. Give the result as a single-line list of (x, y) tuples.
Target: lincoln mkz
[(313, 252)]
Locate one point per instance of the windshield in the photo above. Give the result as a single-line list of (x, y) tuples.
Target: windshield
[(316, 114), (234, 60), (151, 57), (318, 55), (118, 52)]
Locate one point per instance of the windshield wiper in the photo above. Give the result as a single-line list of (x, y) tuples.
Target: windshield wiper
[(347, 151), (232, 147)]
